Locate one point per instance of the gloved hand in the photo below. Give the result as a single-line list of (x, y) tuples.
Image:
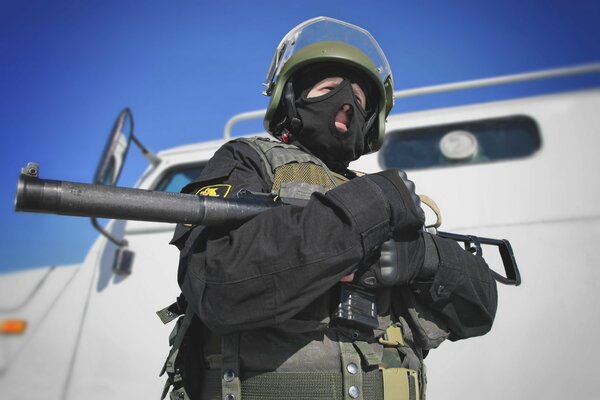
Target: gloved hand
[(402, 262), (407, 214)]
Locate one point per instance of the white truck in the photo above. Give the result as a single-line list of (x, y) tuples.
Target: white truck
[(522, 169)]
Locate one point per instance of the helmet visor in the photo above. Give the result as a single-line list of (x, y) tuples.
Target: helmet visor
[(323, 29)]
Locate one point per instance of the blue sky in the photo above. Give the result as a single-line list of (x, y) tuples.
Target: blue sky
[(184, 67)]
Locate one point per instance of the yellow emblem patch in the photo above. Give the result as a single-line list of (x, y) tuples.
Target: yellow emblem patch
[(221, 190)]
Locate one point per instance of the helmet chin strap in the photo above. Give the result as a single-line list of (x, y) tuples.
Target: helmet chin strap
[(368, 125), (291, 124)]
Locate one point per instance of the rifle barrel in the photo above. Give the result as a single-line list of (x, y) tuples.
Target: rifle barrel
[(91, 200)]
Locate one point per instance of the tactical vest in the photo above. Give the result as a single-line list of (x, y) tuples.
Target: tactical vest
[(337, 364), (294, 173)]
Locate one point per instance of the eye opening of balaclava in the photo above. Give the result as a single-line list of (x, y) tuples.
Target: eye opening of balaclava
[(309, 76), (355, 104)]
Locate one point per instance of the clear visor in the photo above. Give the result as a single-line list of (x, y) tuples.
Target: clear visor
[(322, 29)]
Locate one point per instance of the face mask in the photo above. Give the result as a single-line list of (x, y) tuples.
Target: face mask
[(319, 133)]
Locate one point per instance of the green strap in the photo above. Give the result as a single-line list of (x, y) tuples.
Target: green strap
[(185, 323), (351, 372), (423, 380), (368, 353), (315, 385), (169, 365), (231, 386)]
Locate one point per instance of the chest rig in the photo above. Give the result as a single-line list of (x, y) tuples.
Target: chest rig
[(296, 174)]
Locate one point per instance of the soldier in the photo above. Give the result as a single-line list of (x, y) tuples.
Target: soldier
[(339, 294)]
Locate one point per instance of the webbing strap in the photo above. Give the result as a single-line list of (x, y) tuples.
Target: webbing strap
[(351, 372), (322, 385), (393, 336), (434, 207), (169, 366), (366, 350), (231, 386), (185, 324), (400, 383)]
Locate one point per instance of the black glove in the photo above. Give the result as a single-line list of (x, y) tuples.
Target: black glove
[(407, 214), (402, 262)]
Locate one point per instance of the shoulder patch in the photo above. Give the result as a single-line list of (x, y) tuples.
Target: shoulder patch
[(220, 190)]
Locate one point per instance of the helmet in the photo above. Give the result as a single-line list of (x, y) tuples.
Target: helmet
[(324, 40)]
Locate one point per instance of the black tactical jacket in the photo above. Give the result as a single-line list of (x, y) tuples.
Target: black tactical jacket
[(269, 271)]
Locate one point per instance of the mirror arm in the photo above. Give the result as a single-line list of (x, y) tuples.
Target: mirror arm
[(106, 234), (149, 155)]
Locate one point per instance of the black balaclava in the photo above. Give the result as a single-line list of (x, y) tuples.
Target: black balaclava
[(319, 134)]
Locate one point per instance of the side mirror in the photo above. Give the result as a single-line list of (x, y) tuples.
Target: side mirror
[(109, 169), (113, 157)]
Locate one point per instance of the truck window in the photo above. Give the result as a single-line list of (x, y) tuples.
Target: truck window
[(176, 178), (461, 143)]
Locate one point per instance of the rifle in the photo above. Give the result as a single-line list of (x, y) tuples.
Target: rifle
[(357, 304), (101, 201)]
